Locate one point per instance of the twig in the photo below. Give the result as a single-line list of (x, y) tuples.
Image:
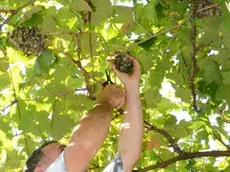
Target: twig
[(18, 108), (185, 63), (164, 133), (188, 156), (37, 99), (85, 74), (27, 147), (193, 57), (55, 95), (61, 33), (91, 49), (15, 12), (157, 34), (169, 46), (172, 28), (90, 87), (7, 11), (221, 112), (208, 7), (44, 87), (201, 46), (14, 94), (134, 19), (218, 137), (10, 104)]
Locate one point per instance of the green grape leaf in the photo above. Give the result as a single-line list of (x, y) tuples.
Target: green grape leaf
[(123, 14), (152, 97), (43, 62), (80, 5), (57, 131), (226, 78), (3, 64), (148, 44), (103, 8), (211, 72), (48, 24)]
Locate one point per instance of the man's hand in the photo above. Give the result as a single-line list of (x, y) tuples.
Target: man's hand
[(113, 95), (129, 80)]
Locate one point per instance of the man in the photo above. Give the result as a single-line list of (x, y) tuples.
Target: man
[(92, 130)]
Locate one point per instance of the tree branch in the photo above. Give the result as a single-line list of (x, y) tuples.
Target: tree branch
[(187, 156), (7, 11), (86, 75), (7, 106), (170, 44), (14, 94), (14, 12), (218, 137), (157, 34), (184, 61), (91, 47), (43, 97), (193, 57), (181, 154), (208, 7), (88, 79), (164, 133)]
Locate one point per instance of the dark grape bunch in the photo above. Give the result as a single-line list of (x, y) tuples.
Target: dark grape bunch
[(28, 40), (123, 63), (202, 12)]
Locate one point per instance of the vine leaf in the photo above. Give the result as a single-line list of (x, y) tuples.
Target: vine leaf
[(43, 62)]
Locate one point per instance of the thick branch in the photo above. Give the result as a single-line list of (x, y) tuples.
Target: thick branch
[(187, 156), (14, 12), (164, 133)]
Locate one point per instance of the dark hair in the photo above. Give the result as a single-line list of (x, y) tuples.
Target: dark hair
[(35, 157)]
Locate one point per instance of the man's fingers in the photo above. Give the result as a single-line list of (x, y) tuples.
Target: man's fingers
[(134, 60), (118, 73)]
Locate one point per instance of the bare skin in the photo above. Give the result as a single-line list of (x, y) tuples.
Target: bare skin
[(132, 125)]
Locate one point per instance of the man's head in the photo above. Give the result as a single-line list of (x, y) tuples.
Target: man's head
[(42, 157)]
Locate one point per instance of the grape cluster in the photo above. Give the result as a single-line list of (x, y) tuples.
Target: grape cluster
[(123, 63), (28, 40), (202, 12)]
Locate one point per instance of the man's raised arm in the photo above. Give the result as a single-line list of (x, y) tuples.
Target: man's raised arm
[(131, 134), (92, 130)]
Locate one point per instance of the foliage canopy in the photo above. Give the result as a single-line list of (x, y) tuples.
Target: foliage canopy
[(182, 45)]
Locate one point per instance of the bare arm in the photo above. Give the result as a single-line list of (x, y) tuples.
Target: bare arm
[(92, 130), (131, 134)]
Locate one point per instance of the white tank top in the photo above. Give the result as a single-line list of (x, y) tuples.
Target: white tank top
[(58, 165)]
